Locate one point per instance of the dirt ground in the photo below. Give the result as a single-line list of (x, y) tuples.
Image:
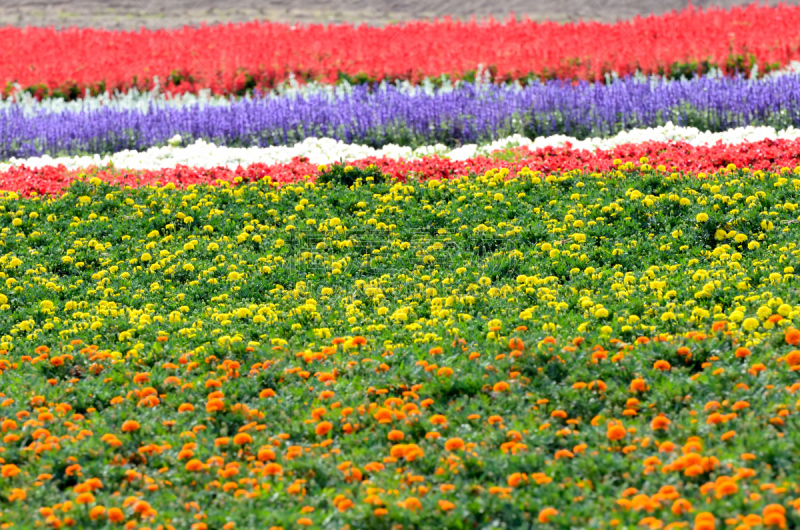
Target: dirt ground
[(134, 14)]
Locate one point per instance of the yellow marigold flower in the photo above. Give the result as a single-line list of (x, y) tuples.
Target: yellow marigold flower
[(750, 324)]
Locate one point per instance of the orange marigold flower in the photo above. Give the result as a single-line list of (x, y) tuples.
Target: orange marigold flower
[(792, 358), (742, 352), (242, 438), (681, 506), (616, 432), (383, 415), (516, 344), (774, 508), (666, 447), (17, 494), (660, 423), (8, 425), (740, 405), (727, 436), (130, 426), (115, 515), (411, 503), (438, 419), (662, 365), (395, 435), (323, 428), (515, 478), (84, 498), (725, 488), (9, 470), (494, 419), (446, 506), (502, 386), (774, 519), (192, 465), (704, 521), (638, 385), (97, 512), (719, 325), (546, 514), (272, 469), (305, 521), (693, 470), (792, 336), (265, 454), (454, 444)]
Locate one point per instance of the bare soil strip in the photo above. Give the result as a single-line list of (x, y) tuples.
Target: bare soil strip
[(135, 14)]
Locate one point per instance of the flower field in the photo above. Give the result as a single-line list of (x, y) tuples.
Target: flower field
[(401, 115), (580, 348), (239, 58), (233, 300)]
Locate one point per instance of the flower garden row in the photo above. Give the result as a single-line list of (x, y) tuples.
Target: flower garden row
[(326, 150), (233, 59), (194, 166), (615, 348), (468, 113)]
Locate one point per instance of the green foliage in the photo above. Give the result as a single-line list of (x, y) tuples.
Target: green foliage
[(339, 174)]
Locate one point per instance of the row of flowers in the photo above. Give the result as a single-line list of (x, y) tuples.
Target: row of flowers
[(579, 349), (234, 59), (396, 115), (682, 142), (135, 99), (205, 164)]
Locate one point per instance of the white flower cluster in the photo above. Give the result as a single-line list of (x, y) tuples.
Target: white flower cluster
[(327, 150), (666, 133), (209, 155)]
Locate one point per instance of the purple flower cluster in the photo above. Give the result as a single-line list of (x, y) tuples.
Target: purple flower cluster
[(470, 113)]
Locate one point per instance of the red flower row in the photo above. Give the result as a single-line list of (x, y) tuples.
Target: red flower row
[(674, 156), (236, 58)]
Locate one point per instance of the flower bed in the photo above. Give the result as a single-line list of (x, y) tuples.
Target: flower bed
[(468, 113), (47, 179), (232, 59), (468, 330), (607, 349)]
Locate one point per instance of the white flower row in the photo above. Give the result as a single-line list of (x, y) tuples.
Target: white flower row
[(327, 151)]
